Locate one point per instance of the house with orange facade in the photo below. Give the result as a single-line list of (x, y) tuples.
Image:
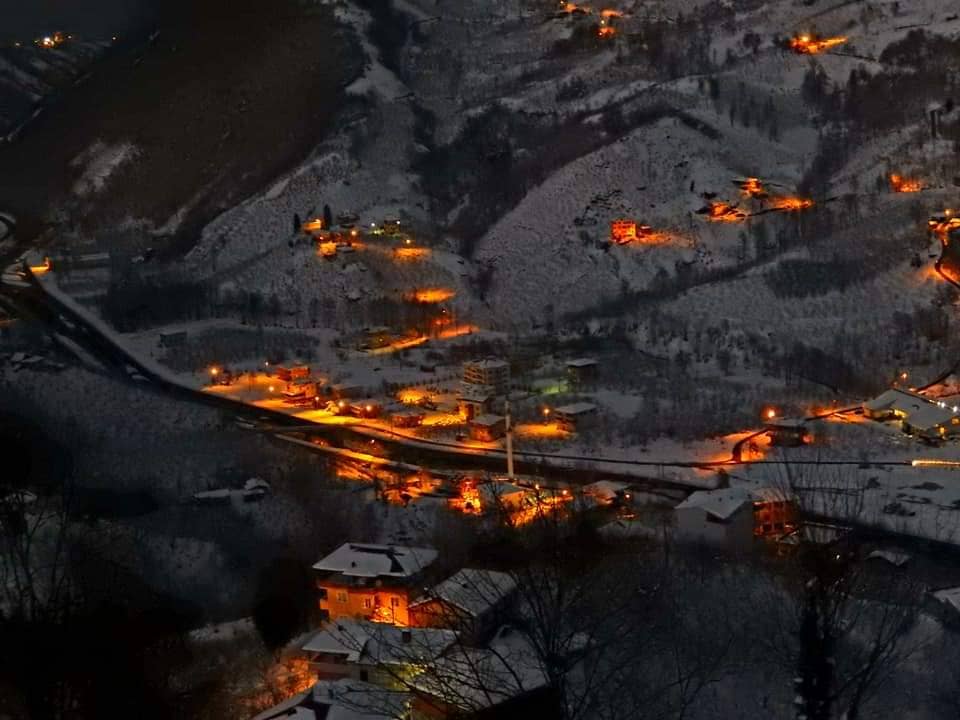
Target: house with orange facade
[(374, 582)]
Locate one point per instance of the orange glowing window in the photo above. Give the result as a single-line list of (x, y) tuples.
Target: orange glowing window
[(42, 268), (623, 231)]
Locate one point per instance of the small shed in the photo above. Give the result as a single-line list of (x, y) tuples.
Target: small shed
[(474, 401), (787, 432), (608, 492), (366, 408), (576, 416), (580, 370), (488, 428), (407, 418)]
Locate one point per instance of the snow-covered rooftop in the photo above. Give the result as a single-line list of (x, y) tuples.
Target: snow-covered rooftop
[(341, 700), (605, 489), (370, 643), (722, 503), (580, 408), (581, 363), (477, 678), (949, 597), (487, 420), (363, 560), (472, 591)]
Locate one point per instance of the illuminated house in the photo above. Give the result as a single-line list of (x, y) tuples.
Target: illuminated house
[(623, 231), (375, 652), (732, 517), (488, 428), (918, 415), (371, 581), (474, 401), (786, 432), (494, 374), (775, 513)]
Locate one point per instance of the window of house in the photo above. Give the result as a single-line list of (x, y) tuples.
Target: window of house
[(367, 603), (341, 596), (364, 676), (394, 602)]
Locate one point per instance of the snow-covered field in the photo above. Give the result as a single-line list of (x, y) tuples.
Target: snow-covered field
[(718, 310)]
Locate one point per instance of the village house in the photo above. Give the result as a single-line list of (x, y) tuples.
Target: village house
[(289, 374), (927, 419), (474, 400), (732, 517), (367, 651), (341, 700), (367, 408), (301, 390), (721, 518), (623, 231), (487, 428), (608, 492), (407, 418), (787, 432), (505, 679), (506, 496), (494, 374), (376, 582), (471, 601), (347, 391), (575, 417), (775, 512), (374, 338), (944, 604), (581, 370)]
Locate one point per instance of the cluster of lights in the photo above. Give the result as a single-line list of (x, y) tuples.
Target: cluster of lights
[(808, 44), (752, 188), (901, 184)]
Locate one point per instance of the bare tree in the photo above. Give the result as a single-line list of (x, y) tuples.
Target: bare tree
[(848, 625)]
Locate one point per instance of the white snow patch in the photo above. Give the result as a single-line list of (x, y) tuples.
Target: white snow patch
[(100, 162)]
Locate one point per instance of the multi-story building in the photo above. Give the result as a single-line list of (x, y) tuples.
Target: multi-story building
[(494, 374), (375, 582)]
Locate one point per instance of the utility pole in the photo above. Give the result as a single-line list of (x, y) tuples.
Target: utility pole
[(509, 441)]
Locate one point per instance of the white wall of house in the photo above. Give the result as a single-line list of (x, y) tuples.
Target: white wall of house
[(695, 525)]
